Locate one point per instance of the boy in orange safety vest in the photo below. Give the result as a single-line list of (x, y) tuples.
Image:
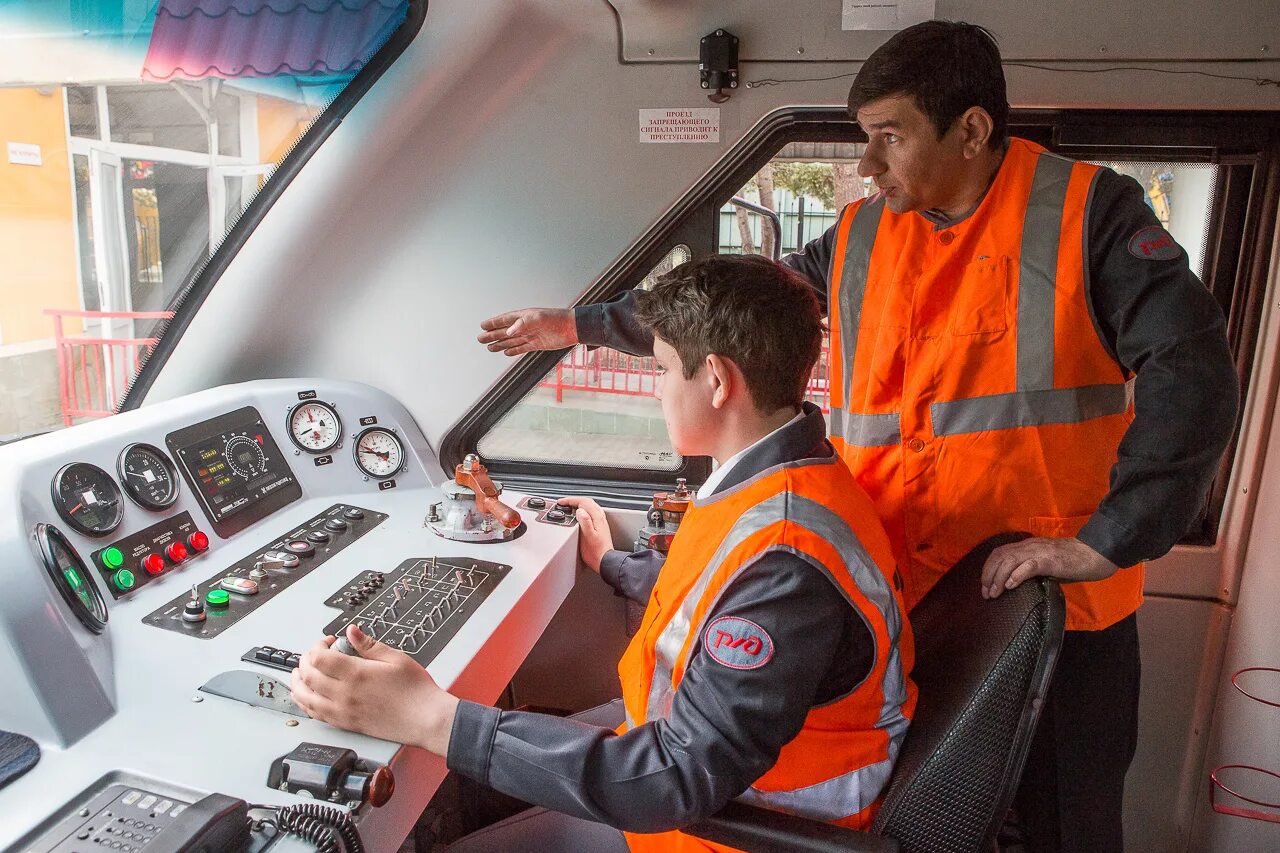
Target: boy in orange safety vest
[(773, 662)]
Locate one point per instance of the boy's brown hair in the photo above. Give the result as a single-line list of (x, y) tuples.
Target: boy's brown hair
[(747, 308)]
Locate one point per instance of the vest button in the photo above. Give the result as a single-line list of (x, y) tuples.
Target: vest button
[(916, 444), (946, 237)]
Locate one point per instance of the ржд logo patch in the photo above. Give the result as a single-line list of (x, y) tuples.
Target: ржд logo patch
[(1153, 243), (738, 643)]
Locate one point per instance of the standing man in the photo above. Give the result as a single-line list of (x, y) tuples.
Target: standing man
[(1019, 346)]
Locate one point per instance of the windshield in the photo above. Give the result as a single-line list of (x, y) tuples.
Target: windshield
[(136, 133)]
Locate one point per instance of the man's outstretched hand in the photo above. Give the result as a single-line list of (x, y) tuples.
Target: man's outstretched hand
[(529, 330), (1065, 559)]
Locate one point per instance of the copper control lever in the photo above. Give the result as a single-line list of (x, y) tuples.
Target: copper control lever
[(472, 473)]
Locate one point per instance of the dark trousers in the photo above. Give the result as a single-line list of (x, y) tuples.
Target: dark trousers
[(1071, 796)]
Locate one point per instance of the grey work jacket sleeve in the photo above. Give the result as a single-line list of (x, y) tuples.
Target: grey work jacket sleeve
[(725, 729), (1162, 325), (632, 573), (613, 324)]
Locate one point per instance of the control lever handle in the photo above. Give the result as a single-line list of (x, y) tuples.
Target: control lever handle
[(475, 476)]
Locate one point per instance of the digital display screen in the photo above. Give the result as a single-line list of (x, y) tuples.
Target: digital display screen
[(234, 466)]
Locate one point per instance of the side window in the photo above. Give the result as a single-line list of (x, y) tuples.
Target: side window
[(595, 407), (806, 184)]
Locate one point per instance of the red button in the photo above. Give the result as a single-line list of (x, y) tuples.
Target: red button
[(946, 237), (198, 541), (916, 444), (153, 564), (176, 552)]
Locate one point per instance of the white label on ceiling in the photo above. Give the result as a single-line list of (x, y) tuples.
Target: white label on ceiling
[(25, 154), (885, 14), (680, 125)]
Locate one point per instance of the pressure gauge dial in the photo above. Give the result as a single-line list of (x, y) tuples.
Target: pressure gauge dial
[(148, 476), (379, 452), (87, 498), (314, 427)]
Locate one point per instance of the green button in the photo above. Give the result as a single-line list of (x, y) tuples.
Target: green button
[(73, 578), (112, 558), (217, 597), (123, 579)]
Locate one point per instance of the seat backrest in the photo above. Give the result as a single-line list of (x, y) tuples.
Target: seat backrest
[(982, 669)]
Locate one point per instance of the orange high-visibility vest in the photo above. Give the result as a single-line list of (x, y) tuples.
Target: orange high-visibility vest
[(972, 394), (836, 768)]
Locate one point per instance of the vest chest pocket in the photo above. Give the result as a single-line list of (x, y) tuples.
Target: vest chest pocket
[(981, 304)]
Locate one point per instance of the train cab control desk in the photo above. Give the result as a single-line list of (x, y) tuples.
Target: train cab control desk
[(164, 568)]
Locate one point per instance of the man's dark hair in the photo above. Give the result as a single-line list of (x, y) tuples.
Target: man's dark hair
[(747, 308), (947, 66)]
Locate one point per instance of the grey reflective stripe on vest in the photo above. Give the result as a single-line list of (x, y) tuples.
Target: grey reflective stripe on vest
[(853, 281), (1029, 408), (1038, 272), (676, 631), (865, 430), (833, 798)]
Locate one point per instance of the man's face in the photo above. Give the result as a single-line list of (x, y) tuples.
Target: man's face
[(686, 403), (912, 167)]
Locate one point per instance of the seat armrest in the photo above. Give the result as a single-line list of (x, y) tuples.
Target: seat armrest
[(754, 829)]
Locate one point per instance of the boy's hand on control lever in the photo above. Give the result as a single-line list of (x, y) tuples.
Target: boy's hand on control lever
[(594, 539), (383, 693)]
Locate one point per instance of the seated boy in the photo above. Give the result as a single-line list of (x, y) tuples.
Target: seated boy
[(773, 660)]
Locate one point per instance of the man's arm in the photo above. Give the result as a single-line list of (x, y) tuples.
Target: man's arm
[(1164, 326), (613, 324), (726, 725)]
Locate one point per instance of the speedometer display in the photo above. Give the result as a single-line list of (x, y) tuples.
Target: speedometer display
[(87, 498), (148, 476), (315, 427)]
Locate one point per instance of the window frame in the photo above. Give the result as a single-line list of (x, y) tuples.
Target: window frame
[(1236, 261), (191, 297)]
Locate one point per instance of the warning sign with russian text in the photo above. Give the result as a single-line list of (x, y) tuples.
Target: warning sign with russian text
[(680, 125)]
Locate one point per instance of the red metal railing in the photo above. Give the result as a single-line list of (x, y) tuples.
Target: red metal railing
[(607, 371), (94, 372)]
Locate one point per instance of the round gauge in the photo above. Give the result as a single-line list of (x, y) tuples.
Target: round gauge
[(148, 476), (87, 498), (314, 427), (245, 456), (379, 453), (72, 578)]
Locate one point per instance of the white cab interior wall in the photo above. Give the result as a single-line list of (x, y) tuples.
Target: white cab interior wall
[(496, 165)]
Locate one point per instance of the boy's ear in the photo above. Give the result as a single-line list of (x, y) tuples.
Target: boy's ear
[(721, 378)]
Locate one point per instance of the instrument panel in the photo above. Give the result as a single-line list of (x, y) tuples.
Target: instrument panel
[(110, 663)]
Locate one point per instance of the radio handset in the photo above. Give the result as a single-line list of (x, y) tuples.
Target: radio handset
[(215, 824)]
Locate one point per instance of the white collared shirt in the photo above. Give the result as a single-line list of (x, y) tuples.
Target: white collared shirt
[(722, 471)]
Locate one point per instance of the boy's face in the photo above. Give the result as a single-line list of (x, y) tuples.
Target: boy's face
[(686, 403)]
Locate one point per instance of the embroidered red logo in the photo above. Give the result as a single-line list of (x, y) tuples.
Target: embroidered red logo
[(1153, 244), (738, 643)]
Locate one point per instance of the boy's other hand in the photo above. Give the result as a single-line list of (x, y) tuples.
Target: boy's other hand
[(594, 539), (383, 693), (529, 330)]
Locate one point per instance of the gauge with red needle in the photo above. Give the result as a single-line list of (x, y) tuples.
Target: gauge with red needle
[(314, 426), (87, 498), (379, 452)]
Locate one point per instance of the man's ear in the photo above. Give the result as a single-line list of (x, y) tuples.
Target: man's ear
[(720, 379), (976, 127)]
